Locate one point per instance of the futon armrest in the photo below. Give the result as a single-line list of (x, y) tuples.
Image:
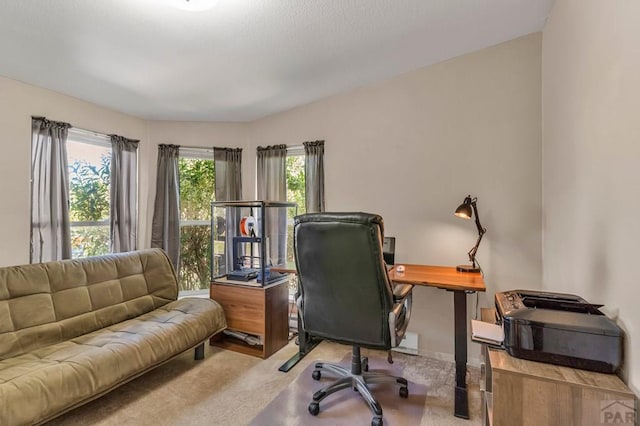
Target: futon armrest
[(400, 291)]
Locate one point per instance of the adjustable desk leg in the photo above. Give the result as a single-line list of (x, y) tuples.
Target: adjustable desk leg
[(461, 408)]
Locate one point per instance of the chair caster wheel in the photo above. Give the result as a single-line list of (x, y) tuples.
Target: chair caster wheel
[(377, 421), (404, 392), (314, 408), (316, 375)]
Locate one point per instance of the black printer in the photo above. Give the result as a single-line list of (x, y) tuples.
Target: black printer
[(556, 328)]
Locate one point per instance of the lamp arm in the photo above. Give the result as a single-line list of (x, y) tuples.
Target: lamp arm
[(474, 249), (481, 232)]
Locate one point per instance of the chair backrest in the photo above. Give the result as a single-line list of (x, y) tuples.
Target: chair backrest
[(345, 292)]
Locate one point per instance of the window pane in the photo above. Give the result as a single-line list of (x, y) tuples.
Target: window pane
[(89, 241), (89, 199), (296, 182), (197, 188), (195, 252), (296, 194)]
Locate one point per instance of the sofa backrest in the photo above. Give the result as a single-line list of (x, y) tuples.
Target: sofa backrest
[(46, 303)]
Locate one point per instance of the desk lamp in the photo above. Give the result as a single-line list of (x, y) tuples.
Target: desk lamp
[(465, 211)]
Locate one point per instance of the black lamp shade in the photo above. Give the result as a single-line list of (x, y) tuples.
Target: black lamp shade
[(464, 209)]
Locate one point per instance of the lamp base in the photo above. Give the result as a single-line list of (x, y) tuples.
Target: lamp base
[(468, 268)]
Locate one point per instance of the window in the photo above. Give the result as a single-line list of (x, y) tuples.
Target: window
[(89, 163), (295, 190), (197, 191)]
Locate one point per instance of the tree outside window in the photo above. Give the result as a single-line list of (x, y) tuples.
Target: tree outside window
[(89, 199), (197, 191), (296, 194)]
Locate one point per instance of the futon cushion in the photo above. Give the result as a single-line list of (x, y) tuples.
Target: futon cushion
[(48, 303), (47, 380)]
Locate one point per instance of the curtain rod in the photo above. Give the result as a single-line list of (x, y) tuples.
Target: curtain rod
[(92, 132), (206, 147)]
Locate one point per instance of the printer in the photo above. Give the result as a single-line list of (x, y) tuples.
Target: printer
[(556, 328)]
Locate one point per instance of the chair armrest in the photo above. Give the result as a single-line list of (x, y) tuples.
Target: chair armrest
[(400, 292), (400, 313)]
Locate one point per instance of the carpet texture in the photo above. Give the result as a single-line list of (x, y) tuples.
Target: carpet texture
[(228, 388)]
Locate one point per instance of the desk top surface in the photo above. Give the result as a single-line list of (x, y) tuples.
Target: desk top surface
[(446, 277)]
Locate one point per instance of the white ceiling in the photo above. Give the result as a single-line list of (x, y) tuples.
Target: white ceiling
[(241, 59)]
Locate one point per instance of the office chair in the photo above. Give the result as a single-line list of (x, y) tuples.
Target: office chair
[(345, 296)]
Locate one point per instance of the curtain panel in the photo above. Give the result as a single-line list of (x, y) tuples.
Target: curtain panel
[(228, 167), (50, 227), (272, 173), (272, 186), (165, 228), (124, 194), (314, 176)]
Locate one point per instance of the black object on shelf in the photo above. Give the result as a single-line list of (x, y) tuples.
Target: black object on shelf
[(246, 274)]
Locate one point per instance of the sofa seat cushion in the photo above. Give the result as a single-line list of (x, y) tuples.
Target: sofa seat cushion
[(47, 381)]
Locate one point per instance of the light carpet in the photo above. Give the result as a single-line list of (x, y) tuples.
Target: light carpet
[(228, 388)]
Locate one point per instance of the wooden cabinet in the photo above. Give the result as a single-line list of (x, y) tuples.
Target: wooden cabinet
[(257, 311), (522, 392)]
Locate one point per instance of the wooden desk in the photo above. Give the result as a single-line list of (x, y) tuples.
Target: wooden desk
[(460, 283)]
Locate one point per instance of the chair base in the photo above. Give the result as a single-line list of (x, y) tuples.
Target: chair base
[(358, 380)]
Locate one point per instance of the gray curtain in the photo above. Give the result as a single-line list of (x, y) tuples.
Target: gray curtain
[(228, 167), (314, 176), (165, 228), (50, 227), (272, 173), (272, 186), (124, 194)]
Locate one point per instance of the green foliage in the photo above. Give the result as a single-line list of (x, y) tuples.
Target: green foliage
[(89, 202), (195, 252), (295, 193), (296, 182), (89, 241), (197, 189), (89, 190)]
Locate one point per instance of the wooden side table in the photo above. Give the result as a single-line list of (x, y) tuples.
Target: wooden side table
[(523, 392), (258, 311)]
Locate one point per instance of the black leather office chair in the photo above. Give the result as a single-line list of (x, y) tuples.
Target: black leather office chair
[(346, 296)]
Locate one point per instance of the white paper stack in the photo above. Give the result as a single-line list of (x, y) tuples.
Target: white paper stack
[(485, 332)]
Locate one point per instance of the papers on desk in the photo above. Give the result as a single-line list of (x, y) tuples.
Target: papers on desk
[(485, 332)]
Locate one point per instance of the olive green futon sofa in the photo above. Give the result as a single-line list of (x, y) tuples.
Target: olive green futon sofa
[(73, 330)]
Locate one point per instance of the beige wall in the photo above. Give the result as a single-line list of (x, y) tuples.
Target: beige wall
[(18, 102), (591, 143), (412, 147), (409, 148)]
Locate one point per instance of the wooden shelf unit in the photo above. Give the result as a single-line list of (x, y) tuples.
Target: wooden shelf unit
[(259, 311)]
